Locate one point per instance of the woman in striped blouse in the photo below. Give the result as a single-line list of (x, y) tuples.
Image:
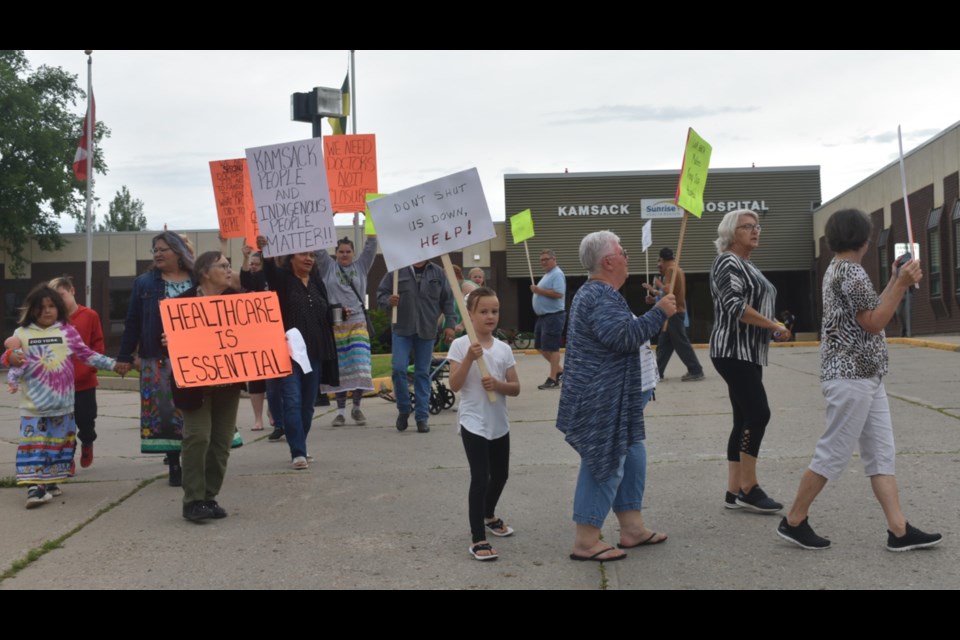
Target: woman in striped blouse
[(744, 324)]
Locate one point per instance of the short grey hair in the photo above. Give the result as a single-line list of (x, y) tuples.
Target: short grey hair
[(727, 228), (594, 247)]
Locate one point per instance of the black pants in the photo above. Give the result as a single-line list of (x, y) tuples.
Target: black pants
[(751, 412), (85, 413), (489, 467), (675, 339)]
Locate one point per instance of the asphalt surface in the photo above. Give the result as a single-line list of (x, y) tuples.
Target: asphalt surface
[(380, 509)]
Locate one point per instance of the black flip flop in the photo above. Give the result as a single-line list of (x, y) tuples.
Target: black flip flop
[(595, 558), (645, 543)]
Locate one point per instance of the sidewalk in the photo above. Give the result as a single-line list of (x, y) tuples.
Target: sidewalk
[(382, 509)]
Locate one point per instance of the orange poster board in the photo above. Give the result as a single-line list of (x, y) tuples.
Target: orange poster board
[(225, 339), (351, 162), (227, 176)]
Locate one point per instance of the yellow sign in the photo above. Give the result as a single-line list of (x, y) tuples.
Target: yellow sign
[(693, 175), (521, 226), (367, 219)]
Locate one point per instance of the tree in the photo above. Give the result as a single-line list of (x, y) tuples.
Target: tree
[(126, 213), (38, 140)]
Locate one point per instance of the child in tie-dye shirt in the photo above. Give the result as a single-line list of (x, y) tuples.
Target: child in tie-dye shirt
[(45, 381)]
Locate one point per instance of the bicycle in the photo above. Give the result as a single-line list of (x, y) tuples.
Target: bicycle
[(516, 339)]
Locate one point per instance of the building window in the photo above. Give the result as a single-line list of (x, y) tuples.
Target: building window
[(883, 255), (933, 254), (119, 302), (956, 249)]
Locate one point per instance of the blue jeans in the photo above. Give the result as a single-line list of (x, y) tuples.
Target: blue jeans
[(623, 490), (299, 392), (275, 401), (422, 354)]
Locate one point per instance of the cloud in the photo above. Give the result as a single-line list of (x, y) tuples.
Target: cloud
[(639, 113), (886, 137)]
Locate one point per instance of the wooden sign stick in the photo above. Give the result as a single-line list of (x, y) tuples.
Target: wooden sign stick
[(462, 305), (673, 276), (529, 265), (396, 292)]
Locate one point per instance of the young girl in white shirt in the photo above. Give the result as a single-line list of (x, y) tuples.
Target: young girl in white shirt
[(484, 425)]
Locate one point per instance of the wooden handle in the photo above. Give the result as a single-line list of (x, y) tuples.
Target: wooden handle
[(396, 290), (462, 305)]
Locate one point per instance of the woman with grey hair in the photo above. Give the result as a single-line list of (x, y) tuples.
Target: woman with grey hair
[(744, 324), (603, 362), (209, 412), (161, 423)]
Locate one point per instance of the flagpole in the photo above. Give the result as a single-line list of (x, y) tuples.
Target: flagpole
[(353, 126), (88, 283)]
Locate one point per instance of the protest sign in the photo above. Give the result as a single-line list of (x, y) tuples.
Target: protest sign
[(432, 219), (521, 226), (647, 235), (693, 174), (228, 192), (225, 339), (351, 162), (290, 190), (251, 228)]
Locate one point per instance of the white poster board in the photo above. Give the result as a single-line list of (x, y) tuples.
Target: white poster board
[(432, 219), (647, 237), (290, 191)]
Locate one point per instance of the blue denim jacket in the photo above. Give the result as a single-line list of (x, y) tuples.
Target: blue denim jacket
[(143, 326)]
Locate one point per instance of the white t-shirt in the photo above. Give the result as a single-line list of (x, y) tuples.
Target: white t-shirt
[(477, 414)]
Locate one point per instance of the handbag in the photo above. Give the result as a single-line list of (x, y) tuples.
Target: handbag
[(360, 299)]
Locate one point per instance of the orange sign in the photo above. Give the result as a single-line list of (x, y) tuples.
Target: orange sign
[(230, 196), (225, 339), (351, 162)]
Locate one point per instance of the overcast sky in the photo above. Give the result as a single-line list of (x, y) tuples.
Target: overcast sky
[(438, 112)]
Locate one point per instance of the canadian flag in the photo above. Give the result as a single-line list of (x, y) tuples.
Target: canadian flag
[(85, 148)]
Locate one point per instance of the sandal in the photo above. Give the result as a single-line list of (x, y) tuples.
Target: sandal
[(482, 546), (499, 529)]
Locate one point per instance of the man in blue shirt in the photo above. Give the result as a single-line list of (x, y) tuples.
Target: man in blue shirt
[(548, 303)]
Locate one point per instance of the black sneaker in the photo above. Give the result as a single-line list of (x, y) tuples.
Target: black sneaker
[(912, 539), (422, 426), (402, 421), (692, 377), (730, 501), (36, 496), (216, 511), (276, 435), (802, 535), (549, 384), (758, 501), (176, 475), (197, 511), (560, 377)]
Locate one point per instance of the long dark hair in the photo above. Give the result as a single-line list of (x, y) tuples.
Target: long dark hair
[(30, 310)]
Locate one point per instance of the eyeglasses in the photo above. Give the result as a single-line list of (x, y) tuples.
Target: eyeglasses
[(223, 265), (622, 252), (750, 227), (157, 250)]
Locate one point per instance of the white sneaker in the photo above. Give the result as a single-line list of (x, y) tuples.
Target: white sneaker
[(300, 463)]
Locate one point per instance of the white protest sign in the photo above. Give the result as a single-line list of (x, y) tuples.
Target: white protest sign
[(432, 219), (647, 238), (290, 191)]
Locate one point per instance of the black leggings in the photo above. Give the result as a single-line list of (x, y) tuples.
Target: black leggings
[(489, 467), (751, 412)]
